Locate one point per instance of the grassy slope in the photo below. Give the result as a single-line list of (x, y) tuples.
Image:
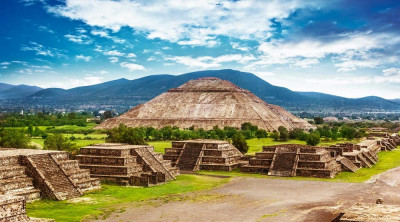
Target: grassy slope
[(99, 203)]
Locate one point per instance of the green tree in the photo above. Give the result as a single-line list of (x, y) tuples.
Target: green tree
[(58, 142), (14, 138), (318, 120), (313, 139), (29, 131), (240, 143), (274, 135), (283, 133), (260, 133)]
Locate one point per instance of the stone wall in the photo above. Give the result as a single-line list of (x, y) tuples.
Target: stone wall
[(126, 164)]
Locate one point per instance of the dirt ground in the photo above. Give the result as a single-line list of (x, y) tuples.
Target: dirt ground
[(255, 199)]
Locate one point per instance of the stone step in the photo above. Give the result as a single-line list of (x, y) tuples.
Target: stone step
[(106, 160), (347, 164), (77, 175), (11, 171), (103, 151), (9, 161), (30, 193), (84, 184), (254, 169), (15, 183), (69, 165), (320, 173), (112, 170), (218, 167)]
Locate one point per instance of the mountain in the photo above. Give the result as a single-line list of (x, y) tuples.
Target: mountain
[(19, 91), (122, 94), (4, 86)]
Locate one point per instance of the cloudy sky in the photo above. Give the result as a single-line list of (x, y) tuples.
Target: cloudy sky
[(343, 47)]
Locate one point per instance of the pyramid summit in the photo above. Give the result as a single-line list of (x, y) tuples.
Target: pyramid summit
[(205, 103)]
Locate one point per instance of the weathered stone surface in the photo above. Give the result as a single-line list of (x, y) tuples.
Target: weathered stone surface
[(12, 209), (193, 155), (293, 160), (204, 103), (362, 212), (126, 164), (34, 173)]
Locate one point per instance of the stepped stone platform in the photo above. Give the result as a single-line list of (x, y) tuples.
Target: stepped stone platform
[(293, 160), (193, 155), (362, 212), (42, 173), (12, 209), (136, 165)]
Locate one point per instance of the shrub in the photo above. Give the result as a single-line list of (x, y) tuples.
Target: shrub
[(313, 139), (240, 143)]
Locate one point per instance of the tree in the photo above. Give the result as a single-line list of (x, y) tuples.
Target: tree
[(283, 133), (240, 143), (274, 135), (58, 142), (29, 131), (260, 133), (318, 120), (313, 139), (14, 138), (107, 114), (123, 134), (348, 132)]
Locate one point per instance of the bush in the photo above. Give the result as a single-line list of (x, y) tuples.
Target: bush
[(240, 143), (14, 138), (283, 133), (58, 142), (313, 139)]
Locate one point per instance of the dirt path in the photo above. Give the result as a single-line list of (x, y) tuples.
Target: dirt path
[(255, 199)]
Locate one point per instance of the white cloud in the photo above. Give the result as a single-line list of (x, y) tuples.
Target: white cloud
[(210, 62), (80, 39), (132, 66), (348, 52), (72, 82), (105, 34), (113, 53), (42, 50), (194, 22), (83, 58), (113, 59), (45, 29), (131, 55)]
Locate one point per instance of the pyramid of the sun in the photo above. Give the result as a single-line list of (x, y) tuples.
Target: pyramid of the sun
[(205, 103)]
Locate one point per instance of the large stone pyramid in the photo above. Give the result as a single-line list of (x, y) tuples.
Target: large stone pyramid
[(204, 103)]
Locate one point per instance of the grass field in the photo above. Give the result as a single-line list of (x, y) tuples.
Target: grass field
[(99, 204), (387, 160)]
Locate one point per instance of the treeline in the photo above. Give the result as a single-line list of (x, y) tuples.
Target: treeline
[(43, 119)]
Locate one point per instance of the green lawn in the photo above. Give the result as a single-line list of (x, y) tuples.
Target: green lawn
[(99, 204), (387, 160), (159, 146)]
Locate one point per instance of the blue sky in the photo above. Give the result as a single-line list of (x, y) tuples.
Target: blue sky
[(341, 47)]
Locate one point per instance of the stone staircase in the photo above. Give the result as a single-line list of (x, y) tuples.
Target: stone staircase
[(189, 158), (284, 163), (53, 178), (347, 164), (155, 162), (14, 181)]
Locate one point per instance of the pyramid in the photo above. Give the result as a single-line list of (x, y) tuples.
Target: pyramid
[(205, 103)]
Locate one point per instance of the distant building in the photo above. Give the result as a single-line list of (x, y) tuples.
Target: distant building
[(331, 119)]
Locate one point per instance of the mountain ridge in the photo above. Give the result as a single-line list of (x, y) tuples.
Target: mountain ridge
[(123, 94)]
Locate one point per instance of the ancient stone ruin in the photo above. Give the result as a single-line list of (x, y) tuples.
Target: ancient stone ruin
[(205, 103), (136, 165), (193, 155), (293, 160), (12, 208), (41, 173), (301, 160), (362, 212)]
